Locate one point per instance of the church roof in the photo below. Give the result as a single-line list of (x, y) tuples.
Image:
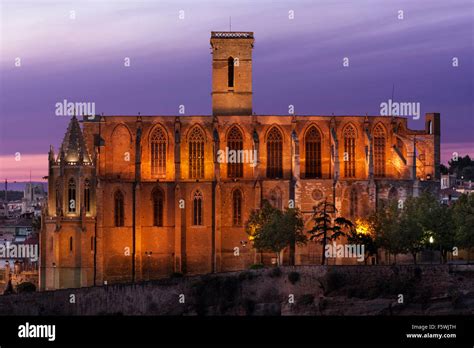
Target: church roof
[(74, 147)]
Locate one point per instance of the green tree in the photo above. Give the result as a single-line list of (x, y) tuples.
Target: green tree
[(258, 218), (443, 169), (457, 166), (385, 224), (410, 228), (363, 234), (272, 230), (327, 229), (437, 223), (463, 216)]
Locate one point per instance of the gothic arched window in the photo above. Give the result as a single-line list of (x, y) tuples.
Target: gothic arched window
[(71, 197), (197, 208), (379, 151), (313, 153), (349, 136), (196, 154), (118, 209), (235, 144), (354, 204), (87, 195), (275, 199), (230, 69), (158, 152), (237, 208), (274, 154), (158, 203)]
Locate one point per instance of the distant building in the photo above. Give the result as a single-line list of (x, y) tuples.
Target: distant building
[(33, 198), (17, 232), (447, 181)]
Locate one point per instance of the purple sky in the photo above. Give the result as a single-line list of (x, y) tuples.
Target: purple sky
[(295, 62)]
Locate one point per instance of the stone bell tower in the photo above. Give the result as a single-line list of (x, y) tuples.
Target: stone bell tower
[(231, 72)]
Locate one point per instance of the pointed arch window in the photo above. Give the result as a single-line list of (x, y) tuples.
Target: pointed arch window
[(158, 203), (379, 151), (354, 203), (230, 70), (235, 144), (71, 189), (349, 136), (274, 154), (237, 208), (70, 243), (276, 198), (313, 153), (87, 195), (196, 154), (118, 209), (197, 208), (158, 152)]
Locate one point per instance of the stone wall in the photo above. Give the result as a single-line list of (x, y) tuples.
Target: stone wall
[(300, 290)]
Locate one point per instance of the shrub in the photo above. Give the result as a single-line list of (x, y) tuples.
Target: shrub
[(293, 277), (306, 299), (257, 266), (334, 280), (246, 275), (25, 287), (275, 272)]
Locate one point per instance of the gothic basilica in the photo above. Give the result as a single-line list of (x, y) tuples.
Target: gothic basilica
[(140, 197)]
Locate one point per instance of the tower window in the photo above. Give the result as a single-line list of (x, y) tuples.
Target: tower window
[(349, 152), (196, 154), (313, 153), (158, 200), (274, 154), (379, 151), (158, 152), (118, 209), (230, 69), (87, 195), (71, 196), (237, 208), (197, 208), (70, 243), (235, 143)]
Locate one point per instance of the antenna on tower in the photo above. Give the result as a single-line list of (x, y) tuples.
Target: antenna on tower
[(230, 23), (393, 91)]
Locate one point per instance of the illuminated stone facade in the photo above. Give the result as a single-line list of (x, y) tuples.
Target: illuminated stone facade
[(141, 197)]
